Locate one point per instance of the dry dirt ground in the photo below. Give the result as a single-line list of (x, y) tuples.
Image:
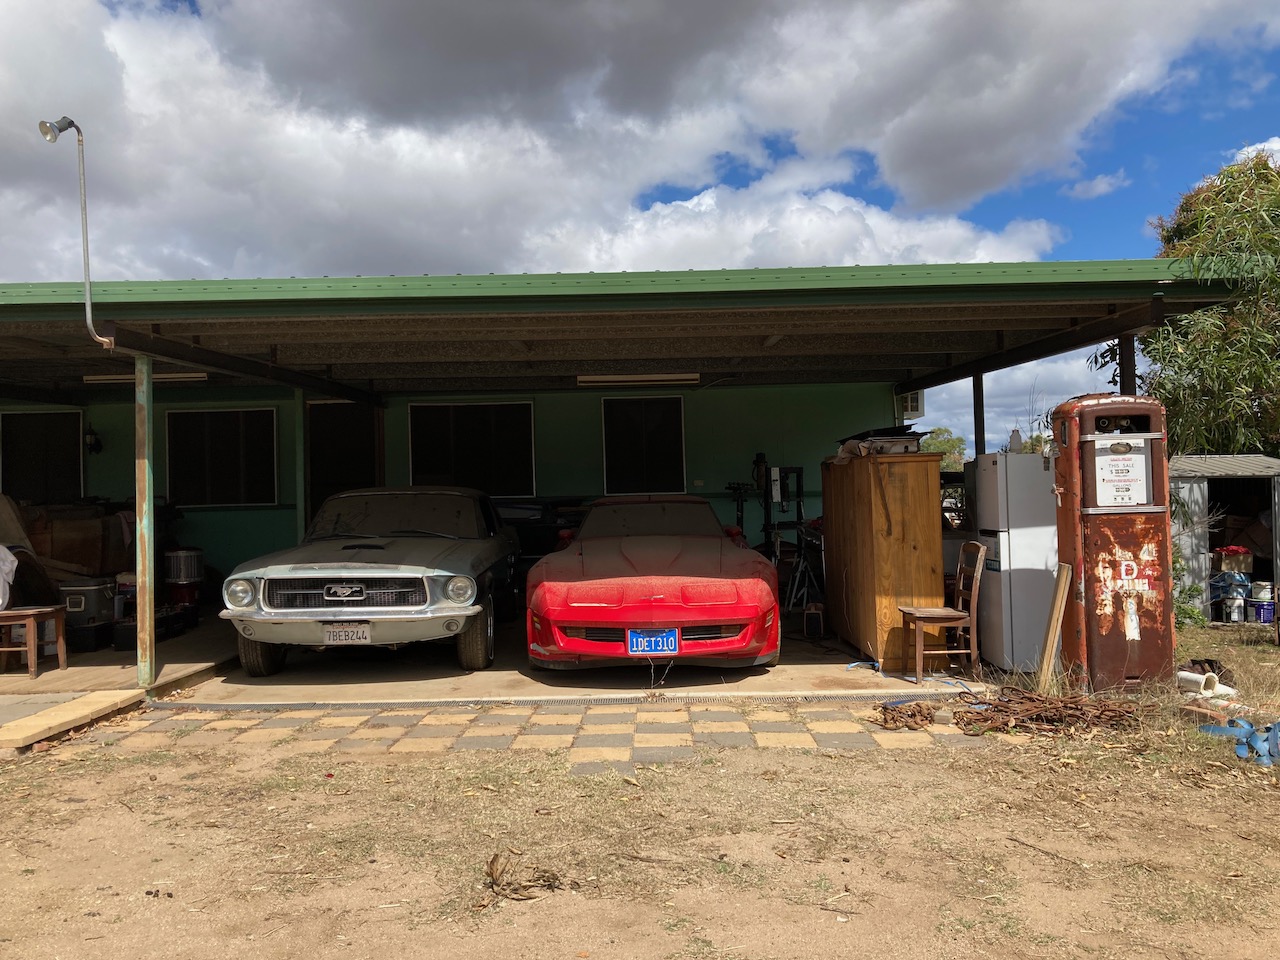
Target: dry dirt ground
[(1154, 843)]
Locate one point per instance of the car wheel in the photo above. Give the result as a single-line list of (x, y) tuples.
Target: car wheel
[(475, 642), (261, 659)]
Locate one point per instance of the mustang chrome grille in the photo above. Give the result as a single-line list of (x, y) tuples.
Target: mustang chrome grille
[(343, 593), (702, 631)]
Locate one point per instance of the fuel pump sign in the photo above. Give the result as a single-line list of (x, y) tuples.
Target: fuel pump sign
[(1111, 477)]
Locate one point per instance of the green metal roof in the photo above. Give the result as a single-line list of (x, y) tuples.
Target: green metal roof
[(914, 325)]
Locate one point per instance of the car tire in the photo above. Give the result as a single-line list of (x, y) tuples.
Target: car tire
[(261, 659), (475, 642)]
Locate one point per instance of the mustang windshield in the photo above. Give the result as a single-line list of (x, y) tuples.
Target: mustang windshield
[(382, 514), (650, 520)]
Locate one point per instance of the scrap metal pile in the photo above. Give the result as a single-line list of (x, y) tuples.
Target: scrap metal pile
[(1013, 708)]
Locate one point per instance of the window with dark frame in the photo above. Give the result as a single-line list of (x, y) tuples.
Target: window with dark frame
[(487, 446), (222, 457), (643, 445), (40, 456)]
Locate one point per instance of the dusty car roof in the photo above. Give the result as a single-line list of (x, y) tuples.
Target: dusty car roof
[(365, 491), (647, 498)]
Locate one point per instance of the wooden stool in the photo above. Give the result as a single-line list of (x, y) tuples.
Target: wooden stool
[(30, 618)]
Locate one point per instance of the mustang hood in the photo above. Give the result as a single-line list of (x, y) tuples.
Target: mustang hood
[(392, 552)]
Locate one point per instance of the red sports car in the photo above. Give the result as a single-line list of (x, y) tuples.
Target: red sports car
[(653, 578)]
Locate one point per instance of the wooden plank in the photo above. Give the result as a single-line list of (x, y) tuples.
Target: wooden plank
[(1053, 631)]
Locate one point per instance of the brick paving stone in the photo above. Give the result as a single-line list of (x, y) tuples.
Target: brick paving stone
[(435, 731), (235, 723), (603, 739), (164, 726), (556, 719), (663, 739), (836, 726), (845, 741), (294, 747), (282, 723), (347, 745), (664, 728), (203, 738), (554, 730), (469, 711), (308, 714), (330, 734), (776, 726), (559, 708), (348, 720), (350, 712), (721, 726), (496, 720), (787, 739), (770, 715), (603, 728), (661, 708), (724, 739), (902, 739), (541, 741), (660, 754), (715, 716), (597, 708), (375, 733), (483, 743), (662, 719), (594, 768), (610, 717), (140, 742), (259, 735), (421, 745), (586, 754), (446, 718), (397, 720)]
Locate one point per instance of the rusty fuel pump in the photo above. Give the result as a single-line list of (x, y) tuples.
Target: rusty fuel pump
[(1112, 481)]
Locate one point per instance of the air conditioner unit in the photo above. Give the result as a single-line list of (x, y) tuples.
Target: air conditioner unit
[(911, 405)]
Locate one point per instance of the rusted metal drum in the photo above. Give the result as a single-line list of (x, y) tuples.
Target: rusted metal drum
[(184, 566)]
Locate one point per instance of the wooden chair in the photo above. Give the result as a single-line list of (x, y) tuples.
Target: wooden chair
[(960, 617), (30, 619)]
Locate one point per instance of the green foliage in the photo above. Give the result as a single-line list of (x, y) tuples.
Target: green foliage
[(942, 440), (1186, 596), (1217, 370)]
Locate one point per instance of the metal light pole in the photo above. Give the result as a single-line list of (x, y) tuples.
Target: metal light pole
[(50, 129)]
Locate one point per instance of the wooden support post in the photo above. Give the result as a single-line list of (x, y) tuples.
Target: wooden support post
[(1053, 631)]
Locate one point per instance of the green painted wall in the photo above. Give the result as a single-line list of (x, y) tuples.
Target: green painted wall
[(724, 429)]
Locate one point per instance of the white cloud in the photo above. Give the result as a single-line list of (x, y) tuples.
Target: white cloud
[(308, 137), (1098, 186), (1270, 147)]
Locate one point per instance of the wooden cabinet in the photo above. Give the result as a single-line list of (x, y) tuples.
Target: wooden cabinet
[(882, 532)]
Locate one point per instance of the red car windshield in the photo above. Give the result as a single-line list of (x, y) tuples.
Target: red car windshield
[(650, 520)]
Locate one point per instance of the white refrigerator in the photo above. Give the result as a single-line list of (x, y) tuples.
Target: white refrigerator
[(1016, 518)]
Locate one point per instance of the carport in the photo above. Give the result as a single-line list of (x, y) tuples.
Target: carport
[(315, 384)]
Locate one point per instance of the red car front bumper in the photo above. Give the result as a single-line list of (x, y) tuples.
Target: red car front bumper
[(742, 634)]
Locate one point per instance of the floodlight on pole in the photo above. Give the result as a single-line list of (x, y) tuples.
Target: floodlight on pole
[(50, 130)]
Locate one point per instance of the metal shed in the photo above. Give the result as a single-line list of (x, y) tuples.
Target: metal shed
[(1210, 488)]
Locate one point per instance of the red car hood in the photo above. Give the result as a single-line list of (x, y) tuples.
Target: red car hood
[(608, 558)]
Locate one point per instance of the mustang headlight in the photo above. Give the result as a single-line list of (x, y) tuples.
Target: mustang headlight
[(239, 593), (460, 589)]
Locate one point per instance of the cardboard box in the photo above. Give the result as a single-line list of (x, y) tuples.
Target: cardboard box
[(1233, 562)]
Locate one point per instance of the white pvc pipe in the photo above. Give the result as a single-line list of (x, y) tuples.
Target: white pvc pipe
[(1205, 684)]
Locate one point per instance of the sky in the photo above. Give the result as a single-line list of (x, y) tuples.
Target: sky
[(242, 138)]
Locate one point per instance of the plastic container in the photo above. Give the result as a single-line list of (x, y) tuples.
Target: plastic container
[(88, 600), (1261, 590), (1230, 610), (1261, 611), (184, 566)]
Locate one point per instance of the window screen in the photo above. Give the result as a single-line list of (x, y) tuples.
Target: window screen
[(644, 445), (487, 446), (222, 457)]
